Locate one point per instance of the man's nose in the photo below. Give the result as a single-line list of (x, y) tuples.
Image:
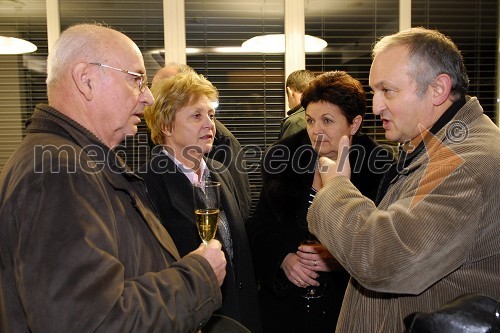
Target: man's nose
[(377, 105)]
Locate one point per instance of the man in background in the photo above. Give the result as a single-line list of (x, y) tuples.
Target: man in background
[(296, 84)]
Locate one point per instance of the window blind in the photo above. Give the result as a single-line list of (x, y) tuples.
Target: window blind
[(474, 28), (350, 31), (22, 77), (251, 86)]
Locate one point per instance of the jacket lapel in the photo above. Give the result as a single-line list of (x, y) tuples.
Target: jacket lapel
[(181, 200), (231, 209), (158, 230), (147, 212)]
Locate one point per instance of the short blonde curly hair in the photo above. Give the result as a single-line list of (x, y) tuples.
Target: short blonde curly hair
[(171, 95)]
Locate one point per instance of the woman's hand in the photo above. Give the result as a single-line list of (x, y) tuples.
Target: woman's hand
[(316, 257), (298, 274)]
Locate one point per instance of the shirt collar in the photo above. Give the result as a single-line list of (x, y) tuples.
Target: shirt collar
[(189, 173)]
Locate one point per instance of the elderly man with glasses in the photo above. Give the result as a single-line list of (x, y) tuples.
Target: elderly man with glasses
[(141, 78), (81, 247)]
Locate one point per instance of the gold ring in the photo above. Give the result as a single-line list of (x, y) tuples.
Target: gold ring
[(315, 263)]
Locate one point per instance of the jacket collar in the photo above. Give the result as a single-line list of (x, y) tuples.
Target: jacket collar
[(293, 110), (463, 110), (47, 119)]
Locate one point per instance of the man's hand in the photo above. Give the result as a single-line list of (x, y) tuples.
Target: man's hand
[(328, 169), (215, 257)]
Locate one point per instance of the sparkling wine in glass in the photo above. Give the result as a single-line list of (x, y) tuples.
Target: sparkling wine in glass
[(206, 196)]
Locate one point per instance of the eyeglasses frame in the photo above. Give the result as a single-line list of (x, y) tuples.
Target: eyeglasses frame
[(143, 83)]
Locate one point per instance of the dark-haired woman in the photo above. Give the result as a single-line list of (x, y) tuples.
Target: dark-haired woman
[(335, 105)]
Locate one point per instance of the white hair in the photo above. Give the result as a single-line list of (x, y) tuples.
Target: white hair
[(82, 41)]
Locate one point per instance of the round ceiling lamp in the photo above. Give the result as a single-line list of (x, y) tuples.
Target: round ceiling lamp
[(11, 45), (275, 43)]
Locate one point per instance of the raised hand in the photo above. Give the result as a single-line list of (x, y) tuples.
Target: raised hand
[(328, 169)]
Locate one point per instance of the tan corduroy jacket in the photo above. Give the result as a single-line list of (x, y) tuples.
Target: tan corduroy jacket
[(435, 235)]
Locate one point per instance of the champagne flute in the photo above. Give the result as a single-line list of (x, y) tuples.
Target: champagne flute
[(206, 196)]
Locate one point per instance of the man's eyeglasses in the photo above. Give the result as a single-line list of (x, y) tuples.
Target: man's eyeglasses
[(143, 79)]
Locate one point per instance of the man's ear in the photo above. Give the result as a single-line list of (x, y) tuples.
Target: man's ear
[(82, 78), (441, 89)]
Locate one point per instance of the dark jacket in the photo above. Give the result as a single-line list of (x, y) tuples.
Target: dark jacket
[(172, 193), (293, 123), (81, 248), (279, 224), (227, 150)]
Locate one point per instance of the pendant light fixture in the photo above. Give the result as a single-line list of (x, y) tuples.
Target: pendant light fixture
[(12, 45), (275, 43)]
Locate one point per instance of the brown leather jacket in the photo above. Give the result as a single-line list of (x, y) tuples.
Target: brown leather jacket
[(81, 248)]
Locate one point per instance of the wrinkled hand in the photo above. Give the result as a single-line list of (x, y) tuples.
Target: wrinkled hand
[(298, 274), (316, 257), (328, 169), (215, 257)]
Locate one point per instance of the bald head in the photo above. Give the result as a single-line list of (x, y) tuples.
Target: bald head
[(170, 70), (94, 77), (82, 42)]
